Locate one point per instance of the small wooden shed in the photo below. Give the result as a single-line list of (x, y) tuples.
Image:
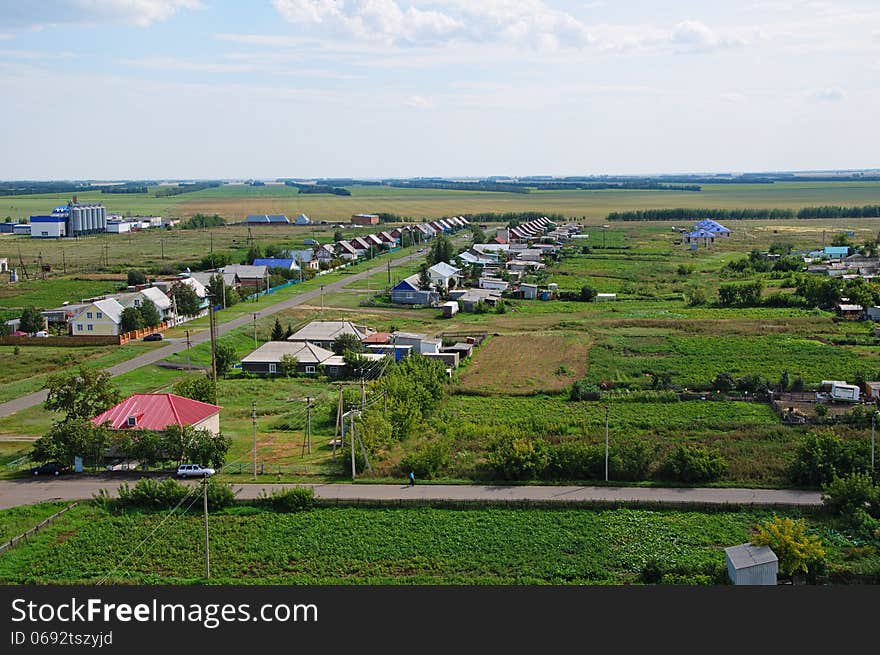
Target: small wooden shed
[(748, 564)]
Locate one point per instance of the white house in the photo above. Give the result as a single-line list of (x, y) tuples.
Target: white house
[(99, 318), (136, 299), (442, 274)]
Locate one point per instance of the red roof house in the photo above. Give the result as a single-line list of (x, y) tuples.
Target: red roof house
[(156, 411), (380, 338)]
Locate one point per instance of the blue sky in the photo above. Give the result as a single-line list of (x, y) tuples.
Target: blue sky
[(112, 89)]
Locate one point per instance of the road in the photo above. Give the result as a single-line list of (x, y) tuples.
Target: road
[(38, 397), (27, 491)]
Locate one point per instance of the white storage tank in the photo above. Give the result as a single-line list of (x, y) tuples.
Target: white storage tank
[(76, 220)]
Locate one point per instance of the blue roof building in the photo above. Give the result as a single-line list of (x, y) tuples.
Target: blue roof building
[(268, 219), (835, 252), (407, 292), (277, 262), (712, 226)]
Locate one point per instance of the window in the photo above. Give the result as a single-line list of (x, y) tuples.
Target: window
[(90, 327), (88, 314), (310, 369), (137, 302), (99, 315), (273, 368), (79, 327), (132, 421)]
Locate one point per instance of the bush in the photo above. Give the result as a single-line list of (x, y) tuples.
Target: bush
[(429, 460), (576, 460), (519, 459), (693, 464), (583, 390), (149, 493), (848, 494), (629, 461), (220, 495), (295, 499), (135, 277), (797, 551), (822, 456)]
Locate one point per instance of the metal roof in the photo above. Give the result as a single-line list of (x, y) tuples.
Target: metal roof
[(245, 272), (273, 351), (748, 555), (276, 262), (443, 269), (327, 331), (109, 306), (156, 411)]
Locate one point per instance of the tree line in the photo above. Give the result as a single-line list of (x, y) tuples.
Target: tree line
[(318, 188), (686, 214), (836, 211), (190, 187)]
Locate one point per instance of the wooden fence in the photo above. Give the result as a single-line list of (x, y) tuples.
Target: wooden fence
[(39, 526)]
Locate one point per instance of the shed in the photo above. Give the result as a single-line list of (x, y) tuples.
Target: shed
[(748, 564), (450, 309), (605, 297)]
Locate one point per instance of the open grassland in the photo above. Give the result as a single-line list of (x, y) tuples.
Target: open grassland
[(16, 520), (401, 546), (526, 364)]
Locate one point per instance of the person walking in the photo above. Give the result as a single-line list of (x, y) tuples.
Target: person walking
[(412, 479)]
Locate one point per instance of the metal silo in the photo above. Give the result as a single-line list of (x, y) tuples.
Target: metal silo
[(102, 219), (76, 220), (92, 220)]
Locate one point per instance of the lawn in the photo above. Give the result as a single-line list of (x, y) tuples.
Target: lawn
[(399, 546)]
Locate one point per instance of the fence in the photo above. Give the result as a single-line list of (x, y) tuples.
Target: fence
[(39, 526), (134, 335)]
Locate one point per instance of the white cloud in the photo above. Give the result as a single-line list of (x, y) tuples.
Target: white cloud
[(405, 22), (830, 94), (418, 102), (54, 12)]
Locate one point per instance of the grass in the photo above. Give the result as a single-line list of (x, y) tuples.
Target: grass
[(398, 546), (526, 364), (17, 520)]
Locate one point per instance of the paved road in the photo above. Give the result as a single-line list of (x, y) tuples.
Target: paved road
[(38, 397), (27, 491)]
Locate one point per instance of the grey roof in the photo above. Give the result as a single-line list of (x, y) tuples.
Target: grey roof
[(245, 272), (204, 277), (109, 306), (748, 555), (327, 331), (444, 270), (273, 351)]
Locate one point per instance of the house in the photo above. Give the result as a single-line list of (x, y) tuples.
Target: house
[(374, 240), (347, 251), (699, 236), (419, 342), (449, 359), (377, 339), (604, 297), (157, 411), (101, 317), (493, 283), (714, 227), (250, 276), (835, 252), (529, 291), (387, 237), (285, 263), (335, 367), (748, 564), (463, 350), (469, 299), (362, 245), (324, 333), (136, 299), (204, 278), (267, 219), (365, 219), (443, 275), (873, 313), (302, 219), (872, 390), (48, 227), (475, 259), (849, 310), (397, 351), (266, 360), (407, 292)]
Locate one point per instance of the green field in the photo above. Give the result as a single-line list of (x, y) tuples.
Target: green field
[(401, 546)]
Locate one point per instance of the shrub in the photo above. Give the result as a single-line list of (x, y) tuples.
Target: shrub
[(583, 390), (295, 499), (519, 459), (822, 456), (429, 460), (724, 382), (149, 493), (220, 495), (797, 551), (576, 460), (693, 464), (135, 277), (629, 461), (846, 495)]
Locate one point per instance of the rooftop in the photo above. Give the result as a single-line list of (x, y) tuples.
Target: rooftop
[(748, 555), (155, 411)]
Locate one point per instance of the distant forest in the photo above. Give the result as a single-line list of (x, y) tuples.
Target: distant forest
[(684, 214), (187, 187), (318, 188)]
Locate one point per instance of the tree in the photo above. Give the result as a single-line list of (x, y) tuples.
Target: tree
[(337, 236), (406, 239), (31, 320), (136, 277), (199, 388), (424, 278), (822, 455), (287, 365), (288, 332), (66, 440), (346, 343), (131, 319), (724, 382), (186, 299), (149, 313), (217, 288), (588, 293), (441, 250), (784, 381), (691, 463), (477, 234), (277, 331), (254, 252), (225, 355), (798, 552), (83, 393)]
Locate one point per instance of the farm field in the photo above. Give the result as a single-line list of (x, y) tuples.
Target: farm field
[(16, 520), (403, 546), (526, 364), (236, 202)]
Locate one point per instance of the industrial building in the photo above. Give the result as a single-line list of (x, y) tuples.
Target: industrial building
[(70, 220)]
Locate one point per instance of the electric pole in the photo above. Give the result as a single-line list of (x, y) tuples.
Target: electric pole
[(339, 420), (207, 545), (254, 422), (255, 328), (309, 424), (606, 443), (351, 441), (213, 344), (187, 350), (322, 299)]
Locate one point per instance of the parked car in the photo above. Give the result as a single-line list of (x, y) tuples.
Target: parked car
[(194, 471), (156, 336), (41, 333), (50, 468), (420, 250)]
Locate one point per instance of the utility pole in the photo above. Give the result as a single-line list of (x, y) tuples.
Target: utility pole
[(322, 299), (363, 390), (309, 423), (207, 545), (255, 328), (389, 274), (606, 443), (254, 422), (63, 262), (187, 349), (211, 234), (339, 420), (351, 441), (162, 243), (213, 344)]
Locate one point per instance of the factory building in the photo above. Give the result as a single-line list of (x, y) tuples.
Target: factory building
[(72, 219)]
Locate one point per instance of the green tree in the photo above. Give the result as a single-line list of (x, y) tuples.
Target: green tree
[(288, 332), (784, 381), (337, 236), (254, 252), (80, 394), (186, 299), (149, 313), (72, 438), (287, 365), (31, 320), (441, 250), (477, 235), (424, 282), (200, 387), (690, 463), (131, 319), (217, 288), (277, 331), (588, 293), (136, 277), (225, 355), (798, 552), (346, 343)]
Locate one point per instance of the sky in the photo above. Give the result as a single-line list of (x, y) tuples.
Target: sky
[(168, 89)]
